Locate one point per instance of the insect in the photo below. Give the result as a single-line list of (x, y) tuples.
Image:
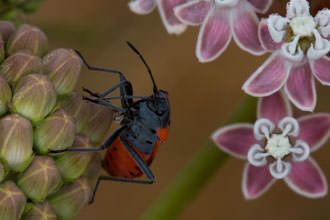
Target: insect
[(132, 147)]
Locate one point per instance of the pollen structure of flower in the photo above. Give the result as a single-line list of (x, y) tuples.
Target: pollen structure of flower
[(278, 146), (300, 44)]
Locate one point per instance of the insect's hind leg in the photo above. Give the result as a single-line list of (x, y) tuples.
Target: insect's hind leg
[(110, 178)]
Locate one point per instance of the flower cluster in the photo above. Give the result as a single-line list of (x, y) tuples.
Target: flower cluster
[(277, 146), (40, 112)]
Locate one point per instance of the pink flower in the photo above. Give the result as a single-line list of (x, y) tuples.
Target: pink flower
[(165, 7), (300, 44), (278, 146), (222, 19)]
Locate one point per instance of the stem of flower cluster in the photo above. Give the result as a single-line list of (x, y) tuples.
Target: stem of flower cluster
[(198, 172)]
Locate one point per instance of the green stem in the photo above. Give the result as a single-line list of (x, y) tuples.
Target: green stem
[(197, 174)]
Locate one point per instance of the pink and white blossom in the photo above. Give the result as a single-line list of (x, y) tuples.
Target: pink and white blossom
[(165, 8), (278, 146), (299, 44), (221, 21)]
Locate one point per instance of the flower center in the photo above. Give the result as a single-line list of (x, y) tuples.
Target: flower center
[(278, 146), (303, 25)]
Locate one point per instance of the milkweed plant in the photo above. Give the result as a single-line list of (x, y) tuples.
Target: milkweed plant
[(275, 144), (40, 110)]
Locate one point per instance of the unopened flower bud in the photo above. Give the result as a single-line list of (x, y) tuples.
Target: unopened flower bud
[(73, 164), (56, 132), (28, 37), (20, 64), (99, 122), (34, 97), (40, 179), (78, 108), (12, 201), (16, 140), (40, 211), (94, 167), (71, 198), (5, 96), (7, 28), (63, 67), (3, 171)]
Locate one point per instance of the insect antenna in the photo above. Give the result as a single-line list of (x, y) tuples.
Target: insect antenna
[(145, 63)]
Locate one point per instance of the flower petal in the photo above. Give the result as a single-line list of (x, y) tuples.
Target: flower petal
[(256, 181), (261, 5), (193, 12), (307, 179), (296, 8), (266, 39), (245, 29), (314, 129), (142, 6), (321, 69), (235, 139), (274, 107), (300, 87), (214, 35), (166, 11), (268, 78)]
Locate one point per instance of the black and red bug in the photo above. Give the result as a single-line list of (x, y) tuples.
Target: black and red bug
[(132, 147)]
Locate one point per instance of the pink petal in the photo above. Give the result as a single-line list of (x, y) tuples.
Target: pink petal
[(269, 78), (214, 35), (307, 179), (193, 12), (256, 181), (245, 29), (314, 129), (274, 107), (321, 69), (300, 87), (266, 39), (235, 139), (166, 10), (142, 6), (261, 5)]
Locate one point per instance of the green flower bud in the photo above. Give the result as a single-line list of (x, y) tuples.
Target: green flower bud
[(16, 141), (7, 28), (3, 171), (40, 211), (12, 201), (94, 167), (30, 38), (71, 198), (73, 164), (5, 96), (99, 122), (56, 132), (20, 64), (34, 97), (63, 67), (40, 179), (78, 108), (2, 49)]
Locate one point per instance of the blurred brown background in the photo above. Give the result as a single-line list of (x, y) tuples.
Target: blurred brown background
[(202, 97)]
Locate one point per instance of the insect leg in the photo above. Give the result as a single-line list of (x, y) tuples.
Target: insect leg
[(104, 146), (110, 178), (122, 77), (101, 102)]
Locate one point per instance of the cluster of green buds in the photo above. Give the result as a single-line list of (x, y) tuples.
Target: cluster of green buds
[(40, 111)]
